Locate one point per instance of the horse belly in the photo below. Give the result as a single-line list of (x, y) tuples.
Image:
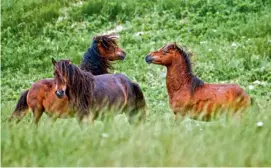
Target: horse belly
[(203, 102), (110, 99), (113, 92), (224, 98), (210, 100)]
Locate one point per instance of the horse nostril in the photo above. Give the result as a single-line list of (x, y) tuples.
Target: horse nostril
[(122, 57), (149, 59), (124, 53), (60, 93)]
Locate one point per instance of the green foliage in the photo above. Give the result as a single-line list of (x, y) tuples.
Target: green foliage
[(231, 42)]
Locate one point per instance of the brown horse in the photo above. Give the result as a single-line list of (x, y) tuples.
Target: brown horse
[(89, 95), (42, 95), (188, 95)]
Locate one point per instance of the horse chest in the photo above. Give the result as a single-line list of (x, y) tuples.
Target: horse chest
[(180, 99), (57, 107)]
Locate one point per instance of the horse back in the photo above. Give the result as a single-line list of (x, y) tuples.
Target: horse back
[(227, 94)]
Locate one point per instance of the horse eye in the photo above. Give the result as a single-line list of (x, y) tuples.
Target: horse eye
[(164, 52)]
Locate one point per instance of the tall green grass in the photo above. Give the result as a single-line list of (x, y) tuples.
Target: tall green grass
[(231, 42)]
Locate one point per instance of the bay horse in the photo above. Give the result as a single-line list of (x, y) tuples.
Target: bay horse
[(188, 95), (89, 95), (42, 96)]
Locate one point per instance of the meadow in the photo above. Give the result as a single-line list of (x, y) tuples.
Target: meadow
[(230, 41)]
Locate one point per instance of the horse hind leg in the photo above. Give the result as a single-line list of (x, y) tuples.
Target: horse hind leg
[(139, 112), (85, 119), (137, 115), (18, 115)]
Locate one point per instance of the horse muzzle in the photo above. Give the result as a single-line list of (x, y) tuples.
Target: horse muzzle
[(149, 59), (122, 55), (60, 93)]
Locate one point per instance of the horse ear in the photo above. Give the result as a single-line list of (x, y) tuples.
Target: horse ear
[(175, 44), (53, 61), (70, 70), (114, 36)]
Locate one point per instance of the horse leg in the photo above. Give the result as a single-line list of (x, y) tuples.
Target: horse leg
[(53, 119), (18, 115), (37, 113), (90, 118), (179, 116), (140, 102), (85, 119), (176, 116), (137, 116)]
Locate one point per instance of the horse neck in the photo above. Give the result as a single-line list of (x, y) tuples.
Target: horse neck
[(80, 89), (93, 63), (178, 76)]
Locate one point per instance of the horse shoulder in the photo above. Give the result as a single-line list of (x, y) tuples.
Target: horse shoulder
[(179, 98)]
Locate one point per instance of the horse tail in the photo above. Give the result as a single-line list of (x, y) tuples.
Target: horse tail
[(21, 106), (139, 101)]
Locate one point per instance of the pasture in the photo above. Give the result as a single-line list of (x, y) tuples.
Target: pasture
[(230, 41)]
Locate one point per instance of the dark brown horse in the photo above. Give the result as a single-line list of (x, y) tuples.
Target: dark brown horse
[(188, 95), (42, 95), (89, 95)]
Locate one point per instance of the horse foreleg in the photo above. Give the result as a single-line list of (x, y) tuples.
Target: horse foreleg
[(37, 113), (53, 119), (85, 119), (179, 115)]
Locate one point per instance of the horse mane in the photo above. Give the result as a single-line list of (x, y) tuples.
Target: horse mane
[(93, 61), (195, 81), (80, 85)]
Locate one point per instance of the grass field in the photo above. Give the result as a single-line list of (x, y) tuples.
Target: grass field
[(231, 42)]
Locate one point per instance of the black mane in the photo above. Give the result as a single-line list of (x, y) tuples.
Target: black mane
[(195, 81), (80, 85), (93, 61)]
